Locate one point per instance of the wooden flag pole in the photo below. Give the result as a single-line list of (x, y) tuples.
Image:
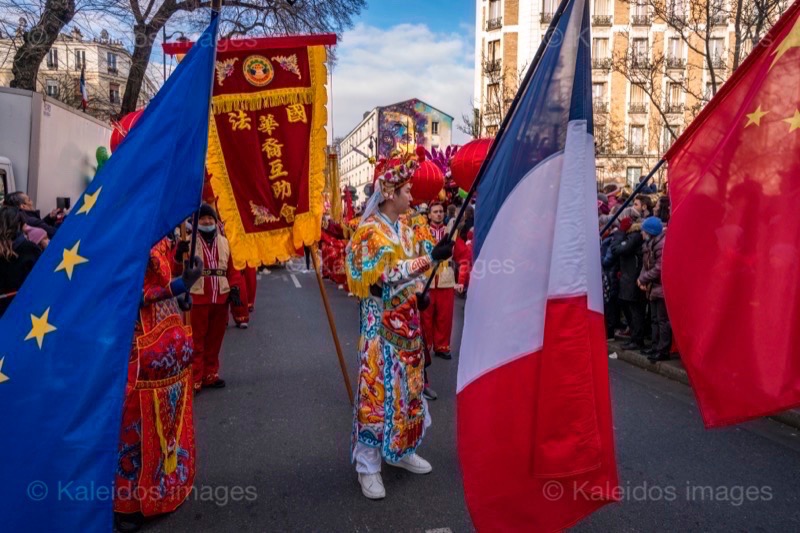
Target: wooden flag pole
[(331, 323)]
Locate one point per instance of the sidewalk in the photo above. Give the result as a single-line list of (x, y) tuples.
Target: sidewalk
[(673, 369)]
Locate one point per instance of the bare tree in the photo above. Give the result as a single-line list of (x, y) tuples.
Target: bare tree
[(502, 85), (239, 17)]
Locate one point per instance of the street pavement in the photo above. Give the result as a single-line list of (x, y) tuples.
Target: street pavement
[(273, 447)]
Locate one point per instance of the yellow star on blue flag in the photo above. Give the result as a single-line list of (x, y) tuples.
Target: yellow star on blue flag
[(66, 336)]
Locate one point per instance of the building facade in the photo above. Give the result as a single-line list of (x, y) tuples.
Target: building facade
[(402, 126), (652, 71), (107, 64)]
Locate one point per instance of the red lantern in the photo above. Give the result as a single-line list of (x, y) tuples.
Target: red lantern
[(122, 128), (427, 181), (467, 162)]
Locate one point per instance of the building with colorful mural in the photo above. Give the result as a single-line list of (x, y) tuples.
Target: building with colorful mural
[(402, 126)]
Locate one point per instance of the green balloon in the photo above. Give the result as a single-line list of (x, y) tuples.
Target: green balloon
[(102, 156), (462, 193)]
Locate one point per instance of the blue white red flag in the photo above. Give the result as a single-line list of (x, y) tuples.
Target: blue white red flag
[(535, 436)]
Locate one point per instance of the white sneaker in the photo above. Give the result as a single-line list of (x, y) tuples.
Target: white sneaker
[(372, 486), (414, 464)]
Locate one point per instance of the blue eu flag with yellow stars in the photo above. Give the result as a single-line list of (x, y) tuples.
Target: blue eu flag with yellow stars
[(66, 338)]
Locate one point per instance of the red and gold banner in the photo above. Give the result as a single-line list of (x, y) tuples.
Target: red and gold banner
[(267, 138)]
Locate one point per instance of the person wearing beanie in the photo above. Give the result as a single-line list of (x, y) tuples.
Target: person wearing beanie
[(626, 247), (650, 282), (210, 296)]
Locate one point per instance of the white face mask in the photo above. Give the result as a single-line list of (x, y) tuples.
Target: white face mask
[(206, 228)]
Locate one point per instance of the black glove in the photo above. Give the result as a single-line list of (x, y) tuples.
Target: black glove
[(185, 302), (181, 250), (443, 250), (423, 302), (191, 273), (376, 291), (235, 296)]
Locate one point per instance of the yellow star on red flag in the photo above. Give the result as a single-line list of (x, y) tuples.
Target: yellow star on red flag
[(792, 40), (755, 117), (40, 328), (794, 121)]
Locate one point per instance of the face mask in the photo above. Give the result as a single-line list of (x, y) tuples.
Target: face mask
[(206, 228)]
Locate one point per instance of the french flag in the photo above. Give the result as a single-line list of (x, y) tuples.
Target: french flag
[(535, 436)]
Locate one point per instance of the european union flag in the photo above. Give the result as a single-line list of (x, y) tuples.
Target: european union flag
[(67, 335)]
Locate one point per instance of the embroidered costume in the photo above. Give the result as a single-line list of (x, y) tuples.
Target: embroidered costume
[(156, 465)]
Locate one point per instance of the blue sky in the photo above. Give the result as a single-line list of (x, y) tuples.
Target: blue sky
[(400, 50), (439, 15)]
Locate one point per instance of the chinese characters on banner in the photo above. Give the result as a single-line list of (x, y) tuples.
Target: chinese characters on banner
[(266, 152)]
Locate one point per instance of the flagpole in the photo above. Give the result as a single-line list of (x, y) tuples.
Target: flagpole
[(216, 9), (506, 120)]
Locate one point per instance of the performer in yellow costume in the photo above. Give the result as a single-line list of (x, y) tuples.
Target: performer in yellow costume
[(383, 271)]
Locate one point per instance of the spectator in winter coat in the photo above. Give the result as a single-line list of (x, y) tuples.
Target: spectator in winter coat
[(17, 255), (627, 247), (650, 282), (31, 216)]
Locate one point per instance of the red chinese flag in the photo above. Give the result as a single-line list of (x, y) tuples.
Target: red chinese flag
[(731, 268)]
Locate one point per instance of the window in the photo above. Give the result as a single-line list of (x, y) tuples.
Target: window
[(112, 62), (52, 88), (493, 93), (494, 51), (639, 52), (549, 6), (636, 140), (632, 175), (674, 92), (80, 59), (491, 131), (52, 59), (709, 91), (113, 93), (601, 8), (434, 128), (599, 48), (640, 8), (599, 92), (716, 48), (667, 137), (494, 9), (637, 94), (675, 49), (677, 9)]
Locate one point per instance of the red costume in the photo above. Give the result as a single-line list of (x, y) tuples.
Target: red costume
[(210, 307), (156, 464), (250, 282), (462, 255), (240, 312), (437, 319), (333, 252)]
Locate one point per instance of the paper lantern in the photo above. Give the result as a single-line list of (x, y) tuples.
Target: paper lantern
[(122, 128), (427, 182), (467, 162)]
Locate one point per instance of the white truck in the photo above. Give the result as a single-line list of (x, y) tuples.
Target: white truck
[(47, 149)]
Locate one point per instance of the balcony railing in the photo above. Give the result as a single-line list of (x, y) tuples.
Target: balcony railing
[(673, 108), (493, 66), (720, 19), (676, 62), (601, 63), (635, 149), (640, 20), (637, 108), (494, 24), (113, 70), (640, 62), (601, 20), (546, 18), (719, 62), (600, 107), (676, 19)]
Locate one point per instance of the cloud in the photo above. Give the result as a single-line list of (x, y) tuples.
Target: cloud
[(378, 67)]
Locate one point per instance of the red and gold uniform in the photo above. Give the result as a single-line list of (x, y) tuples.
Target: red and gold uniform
[(156, 462), (333, 252), (437, 319), (210, 307)]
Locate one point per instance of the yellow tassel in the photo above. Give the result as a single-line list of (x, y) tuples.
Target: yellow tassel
[(228, 103)]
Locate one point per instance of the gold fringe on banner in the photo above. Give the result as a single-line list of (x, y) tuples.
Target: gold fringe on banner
[(227, 103), (267, 247)]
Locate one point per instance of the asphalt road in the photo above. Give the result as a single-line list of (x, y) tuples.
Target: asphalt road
[(273, 447)]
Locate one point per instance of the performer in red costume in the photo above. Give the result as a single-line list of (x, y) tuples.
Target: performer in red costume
[(251, 283), (156, 462), (437, 320), (333, 246), (210, 297)]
